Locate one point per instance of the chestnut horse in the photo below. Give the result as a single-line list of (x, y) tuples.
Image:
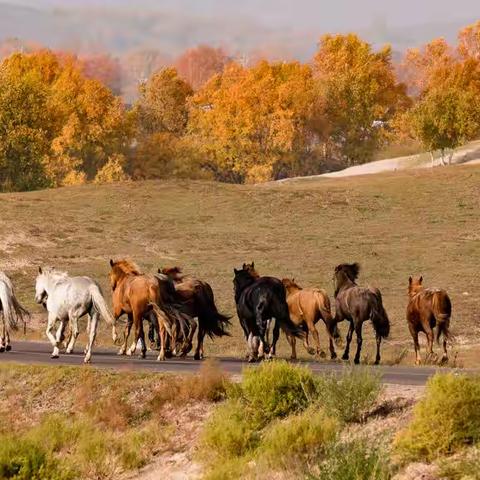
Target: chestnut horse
[(132, 294), (428, 308), (199, 300), (357, 305), (306, 307)]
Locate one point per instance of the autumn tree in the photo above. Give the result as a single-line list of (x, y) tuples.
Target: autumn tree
[(249, 121), (360, 94), (197, 65), (71, 125), (469, 41), (162, 116), (104, 68)]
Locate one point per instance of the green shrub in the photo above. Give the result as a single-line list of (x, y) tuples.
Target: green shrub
[(277, 389), (299, 438), (229, 432), (352, 461), (444, 421), (350, 394)]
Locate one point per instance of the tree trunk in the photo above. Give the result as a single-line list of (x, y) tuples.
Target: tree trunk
[(432, 156)]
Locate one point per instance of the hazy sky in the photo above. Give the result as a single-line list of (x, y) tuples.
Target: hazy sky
[(290, 26)]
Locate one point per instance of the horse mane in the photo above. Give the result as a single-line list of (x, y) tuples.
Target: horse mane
[(53, 272), (351, 269), (171, 270), (127, 267), (290, 282)]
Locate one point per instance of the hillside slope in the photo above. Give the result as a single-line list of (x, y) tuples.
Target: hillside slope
[(395, 225)]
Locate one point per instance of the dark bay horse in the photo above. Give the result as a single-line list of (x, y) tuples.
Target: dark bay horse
[(199, 299), (428, 308), (258, 300), (358, 304)]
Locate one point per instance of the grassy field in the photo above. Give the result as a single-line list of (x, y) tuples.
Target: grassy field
[(395, 225)]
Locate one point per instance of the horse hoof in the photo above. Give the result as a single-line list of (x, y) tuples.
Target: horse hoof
[(54, 356), (197, 356), (121, 352), (8, 348), (2, 349), (418, 362), (68, 352), (356, 361), (344, 357), (443, 361), (143, 355), (311, 351), (86, 360), (322, 354), (333, 356)]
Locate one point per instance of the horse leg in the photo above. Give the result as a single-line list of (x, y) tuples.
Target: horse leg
[(346, 353), (378, 339), (128, 328), (316, 339), (292, 341), (74, 333), (188, 343), (430, 354), (275, 336), (163, 337), (49, 332), (358, 331), (139, 335), (416, 345), (3, 335), (201, 334), (92, 334)]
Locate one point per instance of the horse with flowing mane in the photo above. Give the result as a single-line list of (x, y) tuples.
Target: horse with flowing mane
[(258, 301), (358, 304), (67, 299), (11, 312), (199, 297), (307, 306), (428, 308)]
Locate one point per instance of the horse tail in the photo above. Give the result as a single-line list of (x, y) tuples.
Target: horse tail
[(379, 316), (442, 311), (285, 321), (12, 310), (213, 322), (163, 319), (100, 306), (325, 308)]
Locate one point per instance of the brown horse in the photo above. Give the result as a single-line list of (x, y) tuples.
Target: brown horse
[(357, 304), (132, 294), (306, 307), (198, 296), (428, 308)]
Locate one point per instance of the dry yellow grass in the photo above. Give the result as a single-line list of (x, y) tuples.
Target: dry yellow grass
[(394, 224)]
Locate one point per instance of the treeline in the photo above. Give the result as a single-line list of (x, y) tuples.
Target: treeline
[(60, 126)]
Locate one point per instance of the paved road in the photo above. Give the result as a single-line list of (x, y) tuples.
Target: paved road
[(39, 353)]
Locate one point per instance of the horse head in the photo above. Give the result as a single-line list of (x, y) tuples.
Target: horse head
[(241, 281), (120, 269), (250, 268), (345, 273), (414, 285), (290, 285)]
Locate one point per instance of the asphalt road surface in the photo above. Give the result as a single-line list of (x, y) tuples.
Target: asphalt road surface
[(39, 353)]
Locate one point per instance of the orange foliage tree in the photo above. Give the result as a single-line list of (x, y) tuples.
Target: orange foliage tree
[(197, 65), (360, 94)]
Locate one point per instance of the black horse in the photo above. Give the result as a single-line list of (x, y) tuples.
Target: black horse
[(258, 301), (358, 304)]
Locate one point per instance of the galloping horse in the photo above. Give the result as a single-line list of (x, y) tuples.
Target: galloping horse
[(11, 312), (358, 304), (67, 299), (428, 308), (200, 301), (306, 307), (258, 300), (133, 293)]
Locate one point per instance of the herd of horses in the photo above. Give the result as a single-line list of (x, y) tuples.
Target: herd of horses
[(176, 306)]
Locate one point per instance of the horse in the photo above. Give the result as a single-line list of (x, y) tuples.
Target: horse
[(428, 308), (306, 307), (199, 297), (11, 312), (358, 304), (258, 300), (67, 299)]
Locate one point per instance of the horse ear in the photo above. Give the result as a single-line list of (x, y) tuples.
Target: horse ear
[(244, 265), (293, 280), (159, 270), (235, 270), (420, 280), (111, 262), (253, 264), (410, 280), (40, 270)]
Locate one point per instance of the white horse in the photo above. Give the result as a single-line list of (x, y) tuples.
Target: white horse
[(10, 312), (69, 298)]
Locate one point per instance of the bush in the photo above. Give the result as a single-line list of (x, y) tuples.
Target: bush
[(444, 421), (112, 171), (277, 389), (464, 467), (349, 395), (353, 461), (229, 432), (299, 438)]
